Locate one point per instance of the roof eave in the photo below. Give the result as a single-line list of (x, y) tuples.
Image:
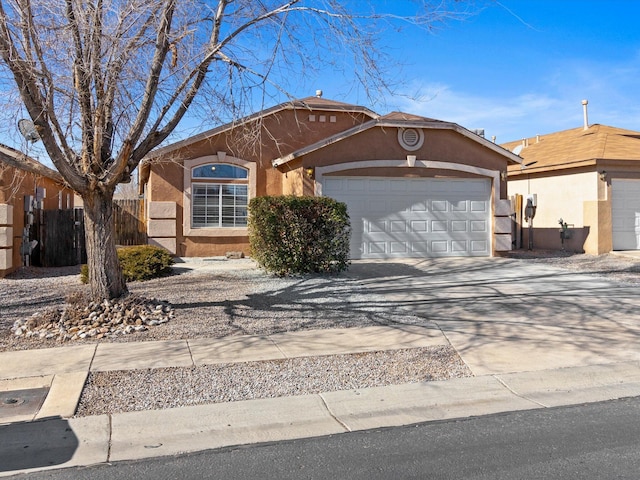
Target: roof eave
[(292, 105), (554, 167), (277, 162), (384, 123)]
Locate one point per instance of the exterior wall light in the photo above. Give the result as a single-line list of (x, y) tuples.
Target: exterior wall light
[(309, 171), (503, 175), (411, 160), (603, 175)]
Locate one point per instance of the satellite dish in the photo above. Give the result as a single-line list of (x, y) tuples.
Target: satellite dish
[(517, 150), (28, 130)]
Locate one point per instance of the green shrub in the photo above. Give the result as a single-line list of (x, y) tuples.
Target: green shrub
[(143, 262), (292, 235), (140, 262), (84, 273)]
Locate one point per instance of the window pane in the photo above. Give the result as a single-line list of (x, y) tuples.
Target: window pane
[(220, 170), (205, 206), (219, 205)]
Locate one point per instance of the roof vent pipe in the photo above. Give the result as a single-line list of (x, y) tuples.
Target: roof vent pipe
[(318, 93), (585, 114)]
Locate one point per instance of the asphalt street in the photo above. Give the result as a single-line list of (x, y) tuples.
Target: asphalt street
[(592, 441)]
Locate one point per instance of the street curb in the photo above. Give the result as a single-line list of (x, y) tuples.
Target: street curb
[(147, 434)]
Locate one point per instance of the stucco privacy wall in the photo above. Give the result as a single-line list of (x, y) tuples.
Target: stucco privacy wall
[(6, 238), (161, 227), (502, 226), (597, 215), (575, 199)]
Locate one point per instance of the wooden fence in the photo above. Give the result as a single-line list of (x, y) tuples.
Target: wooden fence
[(129, 219), (59, 234)]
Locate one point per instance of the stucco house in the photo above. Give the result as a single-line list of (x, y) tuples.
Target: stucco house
[(590, 178), (23, 195), (414, 186)]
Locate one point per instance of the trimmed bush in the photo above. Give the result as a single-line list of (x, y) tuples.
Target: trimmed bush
[(140, 262), (292, 235)]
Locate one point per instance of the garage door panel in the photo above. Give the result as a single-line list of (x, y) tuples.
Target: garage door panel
[(399, 206), (377, 247), (459, 226), (419, 226), (439, 206), (355, 185), (625, 213), (479, 246), (334, 184), (458, 206), (479, 226), (478, 206), (416, 217), (439, 226), (420, 248), (458, 246), (439, 247), (400, 186), (376, 205), (376, 227), (398, 226), (398, 247)]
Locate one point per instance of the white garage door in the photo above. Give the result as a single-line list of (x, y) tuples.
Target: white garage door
[(625, 211), (392, 217)]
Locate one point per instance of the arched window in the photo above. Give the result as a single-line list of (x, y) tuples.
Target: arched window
[(219, 195), (220, 170)]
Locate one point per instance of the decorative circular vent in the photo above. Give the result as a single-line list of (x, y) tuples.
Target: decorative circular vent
[(411, 139)]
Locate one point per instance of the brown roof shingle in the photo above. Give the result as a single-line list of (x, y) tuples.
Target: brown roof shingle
[(575, 147)]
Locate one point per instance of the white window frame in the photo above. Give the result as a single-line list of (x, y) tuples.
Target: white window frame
[(219, 204), (188, 229)]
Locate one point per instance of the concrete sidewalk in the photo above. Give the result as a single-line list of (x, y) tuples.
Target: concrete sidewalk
[(534, 336), (55, 441)]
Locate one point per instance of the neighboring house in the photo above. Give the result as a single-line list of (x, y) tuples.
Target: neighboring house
[(590, 178), (414, 186), (24, 195)]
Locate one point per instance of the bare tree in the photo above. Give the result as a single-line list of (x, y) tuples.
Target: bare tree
[(106, 81)]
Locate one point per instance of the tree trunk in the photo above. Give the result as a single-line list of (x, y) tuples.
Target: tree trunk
[(105, 275)]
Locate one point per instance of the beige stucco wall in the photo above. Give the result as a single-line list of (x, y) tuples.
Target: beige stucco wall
[(580, 199), (598, 216), (284, 132), (558, 197)]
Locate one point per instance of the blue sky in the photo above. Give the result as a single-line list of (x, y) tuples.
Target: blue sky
[(515, 68), (521, 67)]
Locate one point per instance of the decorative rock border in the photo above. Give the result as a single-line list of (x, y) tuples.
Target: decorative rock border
[(109, 318)]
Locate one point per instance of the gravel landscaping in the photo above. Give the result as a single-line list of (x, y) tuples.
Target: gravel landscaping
[(111, 392), (225, 298)]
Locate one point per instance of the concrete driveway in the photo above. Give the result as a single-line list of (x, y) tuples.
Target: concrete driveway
[(508, 315)]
